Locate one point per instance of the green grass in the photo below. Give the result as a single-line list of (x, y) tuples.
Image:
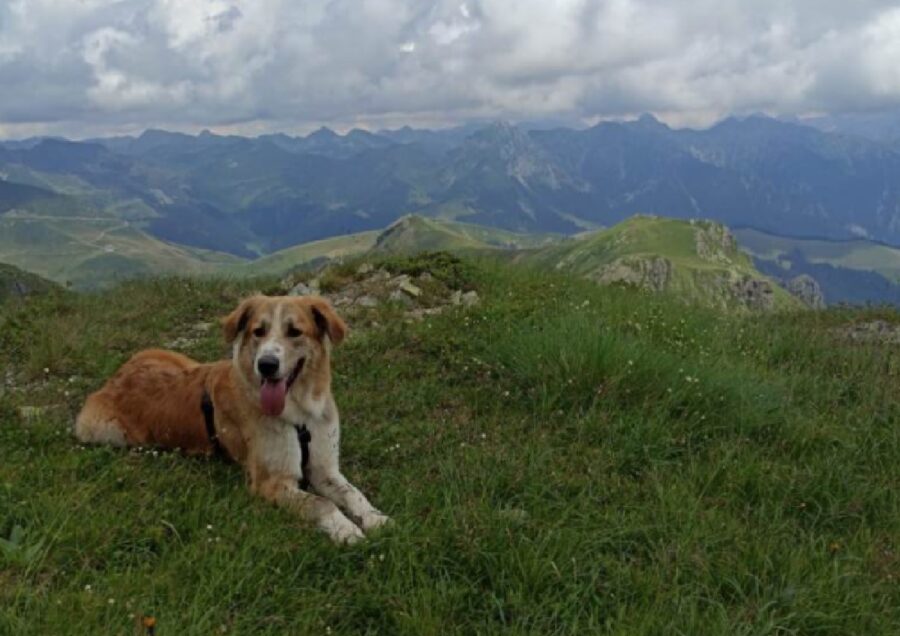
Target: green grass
[(559, 459)]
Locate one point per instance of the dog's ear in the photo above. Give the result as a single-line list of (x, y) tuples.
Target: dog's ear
[(327, 320), (236, 322)]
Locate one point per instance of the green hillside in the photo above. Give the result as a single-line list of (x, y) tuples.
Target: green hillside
[(697, 261), (407, 235), (16, 283), (857, 254), (558, 458), (416, 233), (94, 251), (327, 249)]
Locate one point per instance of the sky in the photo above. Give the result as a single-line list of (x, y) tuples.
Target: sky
[(89, 67)]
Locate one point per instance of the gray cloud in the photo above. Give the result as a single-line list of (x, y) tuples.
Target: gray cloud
[(90, 66)]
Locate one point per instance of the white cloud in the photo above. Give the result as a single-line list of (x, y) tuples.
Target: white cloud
[(93, 65), (881, 53)]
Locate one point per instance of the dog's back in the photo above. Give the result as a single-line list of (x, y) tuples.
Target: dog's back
[(154, 399)]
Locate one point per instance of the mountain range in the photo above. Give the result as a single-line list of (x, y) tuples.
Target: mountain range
[(251, 196), (164, 202)]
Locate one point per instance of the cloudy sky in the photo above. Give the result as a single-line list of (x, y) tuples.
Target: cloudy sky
[(86, 67)]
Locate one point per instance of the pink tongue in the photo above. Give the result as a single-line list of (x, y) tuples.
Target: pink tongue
[(271, 396)]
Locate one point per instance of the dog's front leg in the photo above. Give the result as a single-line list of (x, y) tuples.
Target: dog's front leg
[(326, 478), (339, 490), (324, 513)]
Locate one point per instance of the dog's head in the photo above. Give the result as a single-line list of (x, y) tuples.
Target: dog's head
[(279, 339)]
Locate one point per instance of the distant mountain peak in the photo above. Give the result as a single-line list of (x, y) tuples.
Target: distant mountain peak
[(501, 127), (502, 132), (648, 120), (155, 136), (324, 133)]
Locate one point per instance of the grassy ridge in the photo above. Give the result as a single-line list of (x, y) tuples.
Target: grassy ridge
[(289, 258), (414, 233), (561, 458), (410, 234), (697, 274)]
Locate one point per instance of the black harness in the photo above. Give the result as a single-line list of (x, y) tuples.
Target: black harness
[(304, 438), (209, 419)]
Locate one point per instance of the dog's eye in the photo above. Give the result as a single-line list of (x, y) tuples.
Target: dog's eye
[(293, 332), (259, 332)]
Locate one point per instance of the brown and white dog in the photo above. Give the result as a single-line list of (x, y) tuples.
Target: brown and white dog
[(279, 378)]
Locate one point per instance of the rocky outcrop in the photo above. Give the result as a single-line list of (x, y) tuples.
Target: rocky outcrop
[(872, 331), (714, 242), (648, 272), (807, 289), (756, 294), (419, 295)]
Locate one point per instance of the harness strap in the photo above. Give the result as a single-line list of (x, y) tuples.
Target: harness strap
[(303, 437), (209, 418)]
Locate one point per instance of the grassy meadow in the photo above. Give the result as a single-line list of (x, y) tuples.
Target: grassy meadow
[(94, 252), (559, 459)]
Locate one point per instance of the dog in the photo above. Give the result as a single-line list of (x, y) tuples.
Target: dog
[(269, 408)]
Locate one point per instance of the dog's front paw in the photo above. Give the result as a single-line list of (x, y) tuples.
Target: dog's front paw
[(374, 520), (340, 529)]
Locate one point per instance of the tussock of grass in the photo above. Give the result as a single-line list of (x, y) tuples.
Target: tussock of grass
[(559, 459)]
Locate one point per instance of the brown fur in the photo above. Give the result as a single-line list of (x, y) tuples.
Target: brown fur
[(155, 396), (154, 399)]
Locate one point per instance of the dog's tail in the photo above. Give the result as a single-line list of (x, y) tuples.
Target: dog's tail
[(97, 423)]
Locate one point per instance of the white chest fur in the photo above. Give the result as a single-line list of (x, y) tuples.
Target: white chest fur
[(306, 408), (278, 449)]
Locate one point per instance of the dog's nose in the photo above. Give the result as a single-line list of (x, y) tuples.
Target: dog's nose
[(268, 366)]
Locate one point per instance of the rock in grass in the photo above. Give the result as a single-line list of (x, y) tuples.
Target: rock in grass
[(31, 414), (470, 298), (305, 289), (515, 516), (880, 331), (399, 296), (300, 289), (411, 290)]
